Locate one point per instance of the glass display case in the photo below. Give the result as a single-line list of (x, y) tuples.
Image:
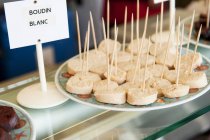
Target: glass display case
[(72, 120)]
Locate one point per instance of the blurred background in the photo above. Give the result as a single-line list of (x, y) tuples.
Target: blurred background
[(20, 61)]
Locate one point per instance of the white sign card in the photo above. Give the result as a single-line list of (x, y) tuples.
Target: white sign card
[(159, 1), (31, 20)]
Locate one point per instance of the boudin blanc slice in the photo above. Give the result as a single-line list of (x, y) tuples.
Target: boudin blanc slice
[(143, 57), (137, 96), (76, 85), (117, 75), (156, 70), (97, 58), (126, 66), (103, 85), (175, 91), (100, 70), (161, 49), (133, 46), (111, 96), (159, 84), (122, 57), (194, 79), (170, 59), (75, 65), (139, 78), (103, 46)]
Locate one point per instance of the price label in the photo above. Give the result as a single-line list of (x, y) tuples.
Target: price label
[(159, 1), (31, 20)]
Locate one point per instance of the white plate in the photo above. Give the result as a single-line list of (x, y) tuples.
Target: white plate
[(60, 82)]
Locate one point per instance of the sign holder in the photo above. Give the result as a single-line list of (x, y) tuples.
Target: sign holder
[(41, 95), (19, 15)]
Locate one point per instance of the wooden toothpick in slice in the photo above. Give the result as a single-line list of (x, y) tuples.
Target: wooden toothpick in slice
[(88, 46), (146, 22), (161, 23), (78, 36), (108, 17), (107, 54), (196, 47), (113, 54), (145, 69), (137, 20), (208, 15), (93, 31), (166, 53), (84, 52), (180, 57), (132, 37), (156, 34), (190, 33), (177, 46), (125, 28)]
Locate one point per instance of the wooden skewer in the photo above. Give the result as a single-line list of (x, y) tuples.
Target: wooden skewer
[(125, 28), (180, 57), (208, 15), (156, 33), (177, 46), (161, 22), (196, 47), (114, 55), (84, 53), (146, 21), (145, 69), (132, 37), (138, 65), (79, 38), (137, 20), (88, 46), (116, 52), (93, 31), (115, 45), (166, 54), (190, 33), (104, 30), (108, 14), (107, 54)]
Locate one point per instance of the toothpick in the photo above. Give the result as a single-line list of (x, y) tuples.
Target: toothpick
[(138, 65), (115, 46), (161, 22), (196, 47), (107, 54), (208, 15), (84, 52), (166, 54), (145, 69), (180, 56), (190, 33), (78, 36), (114, 56), (125, 27), (108, 14), (146, 21), (156, 33), (104, 30), (177, 46), (137, 20), (93, 31), (132, 37), (88, 45)]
